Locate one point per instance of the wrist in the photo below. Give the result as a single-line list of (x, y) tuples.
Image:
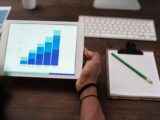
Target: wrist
[(89, 91), (82, 82)]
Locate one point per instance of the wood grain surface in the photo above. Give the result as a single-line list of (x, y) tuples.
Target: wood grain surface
[(56, 99)]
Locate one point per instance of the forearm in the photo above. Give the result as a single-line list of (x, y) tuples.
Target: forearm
[(90, 106)]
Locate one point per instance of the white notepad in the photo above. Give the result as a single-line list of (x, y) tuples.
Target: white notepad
[(126, 83)]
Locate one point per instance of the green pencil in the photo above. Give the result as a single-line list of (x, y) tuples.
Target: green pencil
[(132, 68)]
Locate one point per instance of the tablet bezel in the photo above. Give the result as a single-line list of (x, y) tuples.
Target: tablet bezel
[(79, 49)]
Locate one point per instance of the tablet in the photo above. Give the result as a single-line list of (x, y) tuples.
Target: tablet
[(45, 49)]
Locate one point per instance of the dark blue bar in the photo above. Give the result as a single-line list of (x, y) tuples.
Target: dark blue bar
[(23, 62), (55, 56), (31, 58), (39, 59), (61, 74), (47, 58), (31, 61)]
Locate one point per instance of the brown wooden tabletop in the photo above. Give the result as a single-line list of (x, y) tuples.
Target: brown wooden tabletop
[(53, 99)]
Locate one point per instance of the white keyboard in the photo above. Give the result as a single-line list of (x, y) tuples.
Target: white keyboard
[(119, 28)]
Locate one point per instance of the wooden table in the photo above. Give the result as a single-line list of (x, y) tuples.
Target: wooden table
[(51, 99)]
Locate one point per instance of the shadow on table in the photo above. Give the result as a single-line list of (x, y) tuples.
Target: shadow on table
[(5, 95)]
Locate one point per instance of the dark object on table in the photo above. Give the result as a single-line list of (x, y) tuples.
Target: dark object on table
[(5, 95)]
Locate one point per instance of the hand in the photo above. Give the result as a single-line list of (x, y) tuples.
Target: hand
[(91, 69)]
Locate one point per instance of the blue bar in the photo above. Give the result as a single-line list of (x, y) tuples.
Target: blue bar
[(47, 58), (56, 42), (61, 74), (55, 48), (39, 55), (40, 50), (48, 46), (47, 53), (31, 61), (48, 49), (55, 56), (39, 59), (31, 57), (23, 62)]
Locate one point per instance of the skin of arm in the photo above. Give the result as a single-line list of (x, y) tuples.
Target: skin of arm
[(90, 106)]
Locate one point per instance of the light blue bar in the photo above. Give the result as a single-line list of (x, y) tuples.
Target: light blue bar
[(57, 32), (24, 58), (49, 39), (32, 51), (40, 45)]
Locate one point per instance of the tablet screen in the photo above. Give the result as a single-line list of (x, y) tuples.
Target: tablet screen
[(41, 49)]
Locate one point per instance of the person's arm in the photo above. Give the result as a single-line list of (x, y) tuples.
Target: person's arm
[(90, 106)]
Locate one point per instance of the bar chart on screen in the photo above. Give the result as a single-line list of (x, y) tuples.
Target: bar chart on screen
[(41, 48), (45, 54)]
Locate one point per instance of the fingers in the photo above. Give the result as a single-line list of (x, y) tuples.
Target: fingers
[(92, 55), (88, 54)]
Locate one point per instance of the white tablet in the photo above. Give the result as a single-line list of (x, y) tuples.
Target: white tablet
[(45, 49)]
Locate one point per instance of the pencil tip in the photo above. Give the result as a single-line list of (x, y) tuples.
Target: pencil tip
[(149, 81)]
